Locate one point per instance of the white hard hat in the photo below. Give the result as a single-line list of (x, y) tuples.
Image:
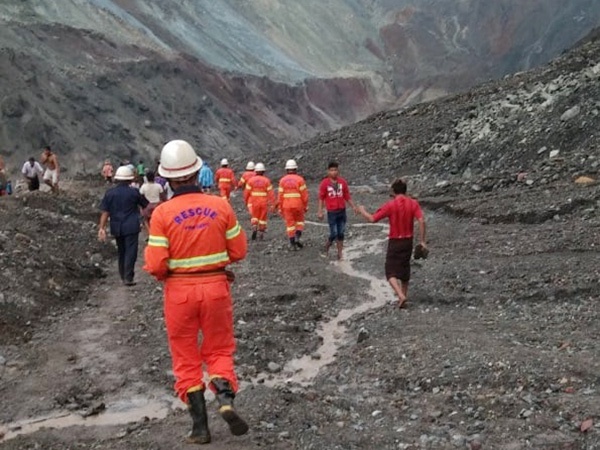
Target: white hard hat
[(224, 162), (124, 173), (250, 165), (177, 160), (259, 167), (291, 165)]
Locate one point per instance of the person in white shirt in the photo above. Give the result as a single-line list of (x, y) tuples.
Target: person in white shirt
[(154, 193), (31, 171)]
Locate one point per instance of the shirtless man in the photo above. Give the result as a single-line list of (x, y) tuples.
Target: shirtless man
[(50, 161)]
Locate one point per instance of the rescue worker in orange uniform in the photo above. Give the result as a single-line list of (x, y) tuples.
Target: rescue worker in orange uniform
[(259, 193), (249, 173), (225, 179), (193, 237), (293, 203)]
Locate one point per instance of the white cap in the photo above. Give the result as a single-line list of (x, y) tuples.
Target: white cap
[(224, 162), (250, 165), (259, 167), (124, 173), (177, 160), (291, 165)]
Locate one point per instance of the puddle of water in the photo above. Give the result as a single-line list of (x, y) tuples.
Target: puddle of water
[(300, 371), (118, 413), (303, 370)]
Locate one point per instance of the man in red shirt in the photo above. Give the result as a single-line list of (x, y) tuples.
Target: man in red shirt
[(401, 212), (333, 194)]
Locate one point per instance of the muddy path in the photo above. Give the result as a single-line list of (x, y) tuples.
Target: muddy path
[(498, 347)]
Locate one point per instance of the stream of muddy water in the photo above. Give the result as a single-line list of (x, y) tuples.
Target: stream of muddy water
[(301, 371)]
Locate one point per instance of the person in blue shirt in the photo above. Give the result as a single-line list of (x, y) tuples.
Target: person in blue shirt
[(206, 178), (122, 205)]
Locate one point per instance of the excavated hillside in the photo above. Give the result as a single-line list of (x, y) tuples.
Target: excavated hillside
[(529, 129), (117, 78), (498, 348)]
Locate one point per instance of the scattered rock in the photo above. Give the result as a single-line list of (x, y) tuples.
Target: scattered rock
[(274, 367), (363, 335), (584, 180), (586, 425), (570, 113)]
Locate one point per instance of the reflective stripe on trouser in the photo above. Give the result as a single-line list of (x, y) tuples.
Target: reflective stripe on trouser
[(225, 191), (192, 307), (294, 220), (259, 215)]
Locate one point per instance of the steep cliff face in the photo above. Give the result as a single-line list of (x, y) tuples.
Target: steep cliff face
[(122, 76)]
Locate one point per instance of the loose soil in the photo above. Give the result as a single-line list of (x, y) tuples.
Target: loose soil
[(498, 348)]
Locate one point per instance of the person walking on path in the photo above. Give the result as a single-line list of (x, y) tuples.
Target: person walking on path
[(293, 203), (52, 171), (249, 173), (32, 170), (155, 194), (206, 178), (107, 171), (334, 193), (122, 205), (193, 238), (260, 195), (225, 179), (401, 211)]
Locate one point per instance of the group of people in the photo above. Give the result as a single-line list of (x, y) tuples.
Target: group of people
[(48, 169), (194, 237)]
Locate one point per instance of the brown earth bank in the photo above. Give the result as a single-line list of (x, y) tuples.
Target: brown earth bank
[(498, 348)]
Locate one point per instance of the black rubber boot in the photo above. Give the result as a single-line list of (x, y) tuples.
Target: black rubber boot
[(225, 396), (254, 233), (200, 433), (297, 239)]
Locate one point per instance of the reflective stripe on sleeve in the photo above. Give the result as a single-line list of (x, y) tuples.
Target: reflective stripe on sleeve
[(158, 241), (303, 187), (198, 261), (233, 232)]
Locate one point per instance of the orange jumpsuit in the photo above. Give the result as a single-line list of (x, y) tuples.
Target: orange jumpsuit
[(293, 202), (242, 185), (259, 193), (245, 177), (193, 237), (225, 181)]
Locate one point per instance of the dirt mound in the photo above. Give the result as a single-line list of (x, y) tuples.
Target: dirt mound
[(50, 257)]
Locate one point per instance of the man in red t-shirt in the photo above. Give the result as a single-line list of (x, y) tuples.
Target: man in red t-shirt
[(401, 212), (333, 194)]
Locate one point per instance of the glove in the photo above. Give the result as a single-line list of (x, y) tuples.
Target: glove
[(230, 276), (421, 252)]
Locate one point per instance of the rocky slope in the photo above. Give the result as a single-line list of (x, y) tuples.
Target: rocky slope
[(118, 77), (531, 128)]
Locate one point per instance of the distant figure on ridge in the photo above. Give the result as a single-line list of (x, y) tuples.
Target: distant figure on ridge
[(51, 175), (32, 170)]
